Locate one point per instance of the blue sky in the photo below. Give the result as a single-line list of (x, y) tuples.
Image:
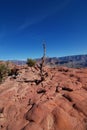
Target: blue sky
[(24, 24)]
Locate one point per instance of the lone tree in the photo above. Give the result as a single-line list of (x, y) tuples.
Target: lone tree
[(43, 61), (43, 73)]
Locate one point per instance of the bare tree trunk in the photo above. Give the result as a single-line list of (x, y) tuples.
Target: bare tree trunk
[(43, 61)]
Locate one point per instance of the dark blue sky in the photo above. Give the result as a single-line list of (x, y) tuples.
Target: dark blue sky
[(24, 24)]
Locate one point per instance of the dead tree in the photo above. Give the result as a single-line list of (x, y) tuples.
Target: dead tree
[(43, 62), (43, 58)]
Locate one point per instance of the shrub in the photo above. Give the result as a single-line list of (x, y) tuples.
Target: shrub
[(4, 71), (31, 62), (13, 71)]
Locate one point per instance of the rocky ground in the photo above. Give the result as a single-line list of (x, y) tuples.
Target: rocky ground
[(57, 103)]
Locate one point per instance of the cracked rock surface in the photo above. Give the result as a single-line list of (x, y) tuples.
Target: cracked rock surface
[(59, 102)]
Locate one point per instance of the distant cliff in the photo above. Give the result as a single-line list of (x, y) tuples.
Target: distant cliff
[(69, 61), (74, 61)]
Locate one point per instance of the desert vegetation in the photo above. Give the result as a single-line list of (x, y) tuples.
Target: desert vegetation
[(31, 62), (4, 71)]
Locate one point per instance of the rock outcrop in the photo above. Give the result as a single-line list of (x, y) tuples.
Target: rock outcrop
[(59, 102)]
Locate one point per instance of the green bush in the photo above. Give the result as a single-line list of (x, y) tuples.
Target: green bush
[(4, 71), (31, 62)]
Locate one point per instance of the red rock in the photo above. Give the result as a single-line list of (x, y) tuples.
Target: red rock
[(57, 103)]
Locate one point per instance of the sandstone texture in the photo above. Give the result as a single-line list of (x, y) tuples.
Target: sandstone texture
[(59, 102)]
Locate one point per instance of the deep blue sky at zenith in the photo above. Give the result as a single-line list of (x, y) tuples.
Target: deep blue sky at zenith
[(24, 24)]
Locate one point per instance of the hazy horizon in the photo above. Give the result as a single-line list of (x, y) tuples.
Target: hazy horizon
[(41, 57)]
